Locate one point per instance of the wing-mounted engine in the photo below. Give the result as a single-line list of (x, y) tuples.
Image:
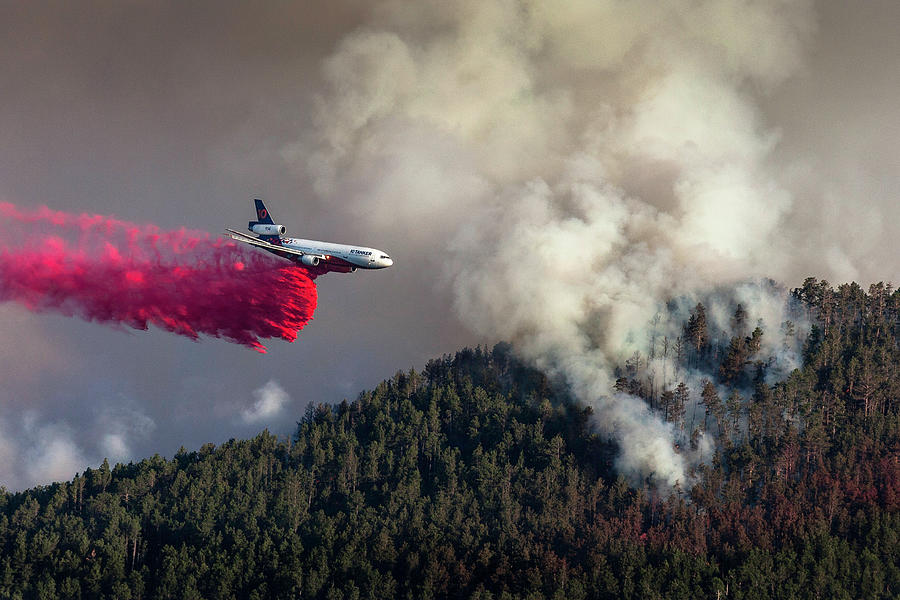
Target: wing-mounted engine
[(310, 260)]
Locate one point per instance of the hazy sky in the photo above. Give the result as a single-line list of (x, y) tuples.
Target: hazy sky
[(179, 113)]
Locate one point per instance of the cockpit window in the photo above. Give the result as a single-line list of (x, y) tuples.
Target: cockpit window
[(385, 256)]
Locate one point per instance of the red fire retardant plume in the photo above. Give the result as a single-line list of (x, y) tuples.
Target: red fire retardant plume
[(110, 271)]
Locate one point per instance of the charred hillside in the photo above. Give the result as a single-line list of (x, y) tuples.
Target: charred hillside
[(480, 478)]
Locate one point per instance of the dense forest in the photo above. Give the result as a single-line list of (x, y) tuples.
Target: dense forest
[(480, 478)]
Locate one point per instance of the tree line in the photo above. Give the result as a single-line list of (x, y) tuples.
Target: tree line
[(479, 477)]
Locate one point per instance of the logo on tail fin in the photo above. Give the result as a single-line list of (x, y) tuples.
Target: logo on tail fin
[(262, 214)]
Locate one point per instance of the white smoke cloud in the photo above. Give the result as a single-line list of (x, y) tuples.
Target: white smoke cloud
[(270, 401), (583, 162), (35, 450), (119, 426)]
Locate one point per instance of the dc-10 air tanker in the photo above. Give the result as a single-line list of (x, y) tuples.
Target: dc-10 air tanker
[(318, 257)]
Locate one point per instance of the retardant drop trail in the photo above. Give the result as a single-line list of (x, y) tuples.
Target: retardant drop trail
[(123, 274)]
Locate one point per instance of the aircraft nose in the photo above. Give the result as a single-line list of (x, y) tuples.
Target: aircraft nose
[(388, 262)]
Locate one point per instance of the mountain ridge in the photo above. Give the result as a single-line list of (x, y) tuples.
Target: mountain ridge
[(479, 477)]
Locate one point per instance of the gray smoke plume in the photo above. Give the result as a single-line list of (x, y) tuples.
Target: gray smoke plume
[(581, 162)]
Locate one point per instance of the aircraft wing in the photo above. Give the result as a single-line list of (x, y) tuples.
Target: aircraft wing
[(249, 239)]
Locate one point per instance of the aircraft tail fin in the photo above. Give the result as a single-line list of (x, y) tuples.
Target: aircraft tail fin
[(263, 218), (262, 215)]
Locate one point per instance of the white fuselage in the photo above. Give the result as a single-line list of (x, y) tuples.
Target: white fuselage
[(358, 256)]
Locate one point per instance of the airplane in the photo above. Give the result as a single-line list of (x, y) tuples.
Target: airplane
[(318, 257)]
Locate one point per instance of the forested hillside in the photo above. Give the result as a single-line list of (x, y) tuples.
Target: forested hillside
[(480, 478)]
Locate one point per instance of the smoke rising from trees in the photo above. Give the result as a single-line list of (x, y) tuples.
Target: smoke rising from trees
[(585, 162)]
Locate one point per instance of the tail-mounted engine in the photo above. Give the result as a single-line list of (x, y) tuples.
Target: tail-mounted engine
[(264, 229)]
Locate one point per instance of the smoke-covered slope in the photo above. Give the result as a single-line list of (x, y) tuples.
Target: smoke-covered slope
[(481, 478)]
